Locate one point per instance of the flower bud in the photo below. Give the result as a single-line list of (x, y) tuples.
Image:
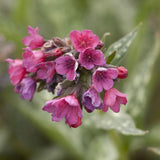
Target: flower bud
[(59, 42), (66, 49), (49, 45), (122, 72), (100, 45)]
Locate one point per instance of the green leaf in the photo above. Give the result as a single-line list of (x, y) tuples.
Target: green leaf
[(121, 46), (154, 150), (137, 86), (121, 121), (102, 147), (111, 57)]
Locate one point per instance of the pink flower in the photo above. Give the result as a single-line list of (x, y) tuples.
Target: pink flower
[(91, 57), (46, 70), (16, 71), (26, 88), (113, 98), (103, 78), (83, 40), (67, 107), (67, 65), (34, 40), (122, 72), (91, 100), (31, 59)]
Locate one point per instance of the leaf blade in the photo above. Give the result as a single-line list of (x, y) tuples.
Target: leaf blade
[(122, 122), (122, 45)]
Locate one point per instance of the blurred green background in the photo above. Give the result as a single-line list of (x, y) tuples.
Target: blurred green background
[(26, 133)]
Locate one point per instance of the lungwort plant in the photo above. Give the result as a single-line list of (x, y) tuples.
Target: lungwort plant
[(80, 72)]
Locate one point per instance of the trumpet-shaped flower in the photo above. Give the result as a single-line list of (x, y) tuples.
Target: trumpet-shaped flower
[(113, 99), (91, 57), (67, 107), (31, 59), (91, 100), (103, 78), (83, 40), (46, 70), (34, 40), (26, 88), (16, 70), (67, 65)]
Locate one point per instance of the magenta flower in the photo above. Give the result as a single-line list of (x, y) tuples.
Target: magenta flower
[(31, 59), (103, 78), (26, 88), (46, 70), (67, 65), (67, 107), (91, 100), (83, 40), (16, 70), (91, 57), (34, 40), (113, 98)]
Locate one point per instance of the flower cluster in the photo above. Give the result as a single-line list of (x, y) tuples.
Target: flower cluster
[(74, 69)]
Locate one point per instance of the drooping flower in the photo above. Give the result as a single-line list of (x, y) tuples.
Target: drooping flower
[(83, 40), (113, 98), (91, 100), (91, 57), (122, 72), (34, 40), (16, 70), (103, 78), (31, 58), (26, 88), (46, 70), (67, 65), (67, 107)]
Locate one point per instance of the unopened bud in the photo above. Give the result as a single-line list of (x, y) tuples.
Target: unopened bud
[(100, 45), (122, 72), (66, 49), (59, 42), (56, 52), (49, 45)]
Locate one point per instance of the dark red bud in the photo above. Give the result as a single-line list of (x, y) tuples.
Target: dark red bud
[(100, 45), (122, 72), (57, 52)]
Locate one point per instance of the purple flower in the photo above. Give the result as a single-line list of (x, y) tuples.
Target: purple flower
[(83, 40), (46, 70), (34, 40), (26, 88), (113, 98), (67, 107), (103, 78), (91, 57), (16, 70), (31, 59), (91, 100), (67, 65)]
